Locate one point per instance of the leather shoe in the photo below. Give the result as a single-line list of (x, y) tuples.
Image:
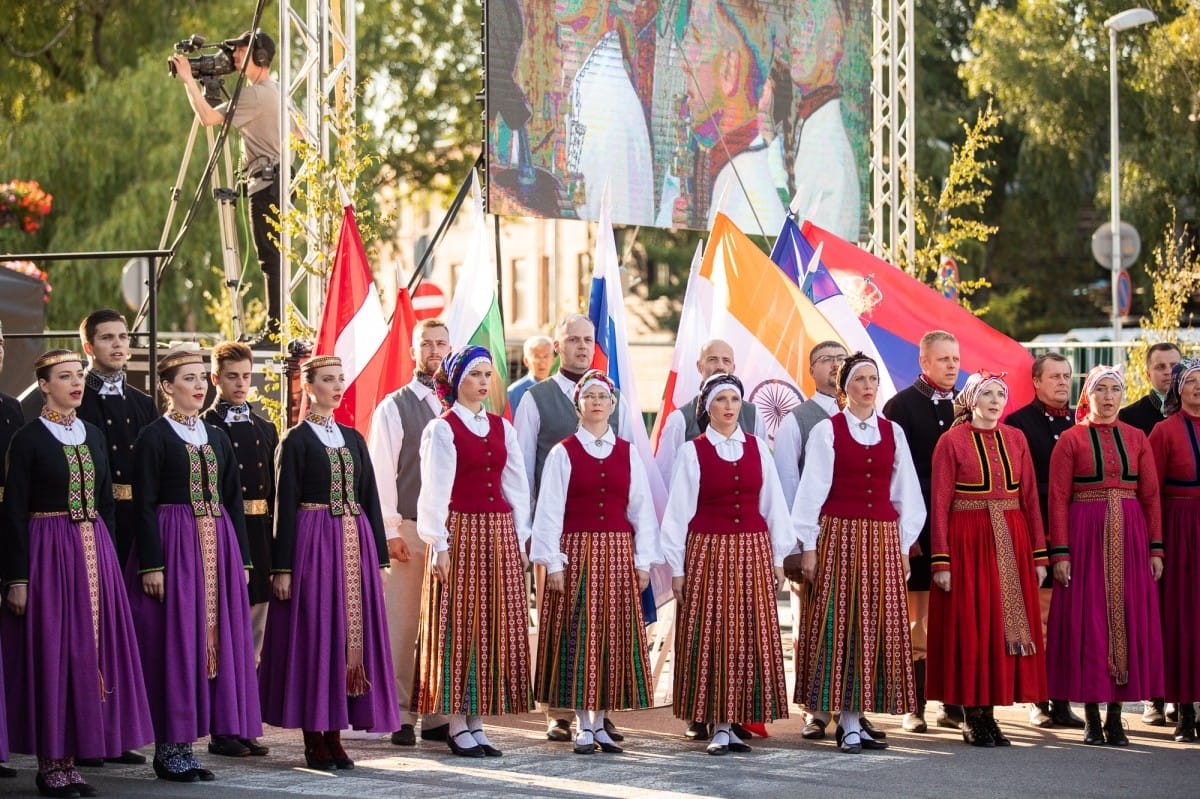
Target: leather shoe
[(869, 728), (1153, 713), (608, 747), (45, 789), (719, 745), (1039, 715), (741, 731), (90, 762), (439, 733), (814, 730), (851, 744), (697, 731), (203, 774), (405, 736), (976, 733), (914, 722), (7, 773), (488, 749), (474, 750), (585, 744), (161, 772), (559, 730), (227, 746), (256, 749), (128, 758), (1171, 712), (612, 731), (83, 788), (1061, 715), (951, 717)]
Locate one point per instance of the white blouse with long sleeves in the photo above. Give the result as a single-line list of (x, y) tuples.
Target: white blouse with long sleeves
[(552, 503), (819, 455), (439, 464), (685, 493)]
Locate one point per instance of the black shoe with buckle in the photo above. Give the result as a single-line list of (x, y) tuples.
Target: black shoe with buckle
[(871, 730), (719, 745), (473, 750), (439, 733), (851, 743), (697, 731), (612, 731), (559, 730), (405, 736), (814, 730)]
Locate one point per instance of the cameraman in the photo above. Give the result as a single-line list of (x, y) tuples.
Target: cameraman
[(257, 119)]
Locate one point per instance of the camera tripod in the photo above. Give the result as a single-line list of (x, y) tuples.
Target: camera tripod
[(224, 191)]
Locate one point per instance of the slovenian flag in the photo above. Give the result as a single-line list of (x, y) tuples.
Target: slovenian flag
[(802, 263), (606, 309), (474, 313), (896, 309)]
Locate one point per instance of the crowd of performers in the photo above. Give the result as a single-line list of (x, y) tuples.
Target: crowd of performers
[(170, 578)]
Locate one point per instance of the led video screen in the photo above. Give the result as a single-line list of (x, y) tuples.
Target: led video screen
[(679, 109)]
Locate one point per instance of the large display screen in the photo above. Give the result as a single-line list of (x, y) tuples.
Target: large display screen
[(680, 109)]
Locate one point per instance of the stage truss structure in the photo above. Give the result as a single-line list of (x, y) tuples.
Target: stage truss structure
[(893, 134)]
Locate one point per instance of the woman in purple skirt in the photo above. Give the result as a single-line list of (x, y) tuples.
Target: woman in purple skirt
[(1107, 552), (187, 577), (78, 691), (326, 661)]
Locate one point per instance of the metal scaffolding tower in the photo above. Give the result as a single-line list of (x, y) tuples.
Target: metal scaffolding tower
[(317, 77), (893, 134)]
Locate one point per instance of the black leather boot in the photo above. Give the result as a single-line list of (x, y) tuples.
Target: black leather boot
[(1093, 729), (915, 721), (1114, 730), (1061, 715), (1185, 729), (975, 730), (989, 720)]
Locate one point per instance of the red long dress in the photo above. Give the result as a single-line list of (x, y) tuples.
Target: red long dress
[(985, 633)]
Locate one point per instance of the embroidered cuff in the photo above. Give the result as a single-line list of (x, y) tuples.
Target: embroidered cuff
[(1039, 557), (939, 562), (1157, 549), (1059, 554), (151, 571)]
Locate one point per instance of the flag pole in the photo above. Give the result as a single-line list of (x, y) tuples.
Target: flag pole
[(452, 212)]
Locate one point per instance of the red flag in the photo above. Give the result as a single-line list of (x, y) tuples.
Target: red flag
[(353, 327), (398, 363)]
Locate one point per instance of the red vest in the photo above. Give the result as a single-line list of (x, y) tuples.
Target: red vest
[(862, 475), (481, 462), (728, 501), (598, 494)]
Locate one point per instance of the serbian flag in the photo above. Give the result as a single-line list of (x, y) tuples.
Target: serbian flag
[(802, 263), (764, 316), (354, 329), (683, 381), (606, 309), (897, 309), (474, 313)]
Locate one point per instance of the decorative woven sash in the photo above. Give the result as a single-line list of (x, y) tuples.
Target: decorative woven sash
[(343, 503), (1017, 637), (1114, 575), (202, 469), (81, 509)]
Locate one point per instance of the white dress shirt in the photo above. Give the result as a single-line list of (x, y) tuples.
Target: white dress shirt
[(329, 436), (196, 436), (819, 455), (788, 443), (552, 502), (671, 438), (384, 443), (439, 464), (73, 437), (685, 493), (529, 421)]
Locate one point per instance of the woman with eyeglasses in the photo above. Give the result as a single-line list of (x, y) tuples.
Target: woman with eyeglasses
[(596, 533), (1106, 549)]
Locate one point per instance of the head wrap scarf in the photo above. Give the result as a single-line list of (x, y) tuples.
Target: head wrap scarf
[(708, 392), (1098, 373), (454, 367), (968, 398), (1174, 400), (592, 377), (849, 366)]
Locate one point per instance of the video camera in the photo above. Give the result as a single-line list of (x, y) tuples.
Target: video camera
[(207, 69)]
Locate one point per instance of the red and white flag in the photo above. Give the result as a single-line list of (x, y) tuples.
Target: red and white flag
[(354, 329)]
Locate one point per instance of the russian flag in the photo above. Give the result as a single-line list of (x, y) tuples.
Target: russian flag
[(896, 309)]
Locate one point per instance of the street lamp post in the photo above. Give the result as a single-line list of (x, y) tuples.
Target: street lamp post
[(1123, 21)]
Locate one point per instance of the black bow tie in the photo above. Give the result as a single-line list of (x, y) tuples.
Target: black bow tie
[(241, 413)]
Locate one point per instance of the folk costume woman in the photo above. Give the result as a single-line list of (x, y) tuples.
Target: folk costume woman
[(187, 577), (473, 512), (1175, 443), (73, 677), (596, 533), (326, 662), (857, 512), (725, 533), (988, 560), (1107, 552)]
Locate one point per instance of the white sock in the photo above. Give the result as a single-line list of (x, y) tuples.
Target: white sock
[(821, 715), (475, 725), (733, 736), (583, 720), (458, 724), (850, 723)]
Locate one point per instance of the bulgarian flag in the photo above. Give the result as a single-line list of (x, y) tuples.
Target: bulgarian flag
[(474, 313), (354, 329)]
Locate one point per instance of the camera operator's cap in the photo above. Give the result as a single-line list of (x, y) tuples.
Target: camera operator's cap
[(261, 40)]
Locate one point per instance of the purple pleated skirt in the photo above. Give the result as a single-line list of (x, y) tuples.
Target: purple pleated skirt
[(302, 676), (1077, 659), (185, 702), (3, 715), (63, 699), (1181, 616)]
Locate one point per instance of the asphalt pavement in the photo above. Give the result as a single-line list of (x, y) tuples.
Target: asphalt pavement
[(659, 763)]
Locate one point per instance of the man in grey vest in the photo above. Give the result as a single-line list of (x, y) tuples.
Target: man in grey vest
[(681, 427), (545, 417), (394, 446)]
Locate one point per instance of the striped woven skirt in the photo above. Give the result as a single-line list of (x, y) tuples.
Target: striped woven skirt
[(592, 644), (729, 658), (473, 638), (857, 654)]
